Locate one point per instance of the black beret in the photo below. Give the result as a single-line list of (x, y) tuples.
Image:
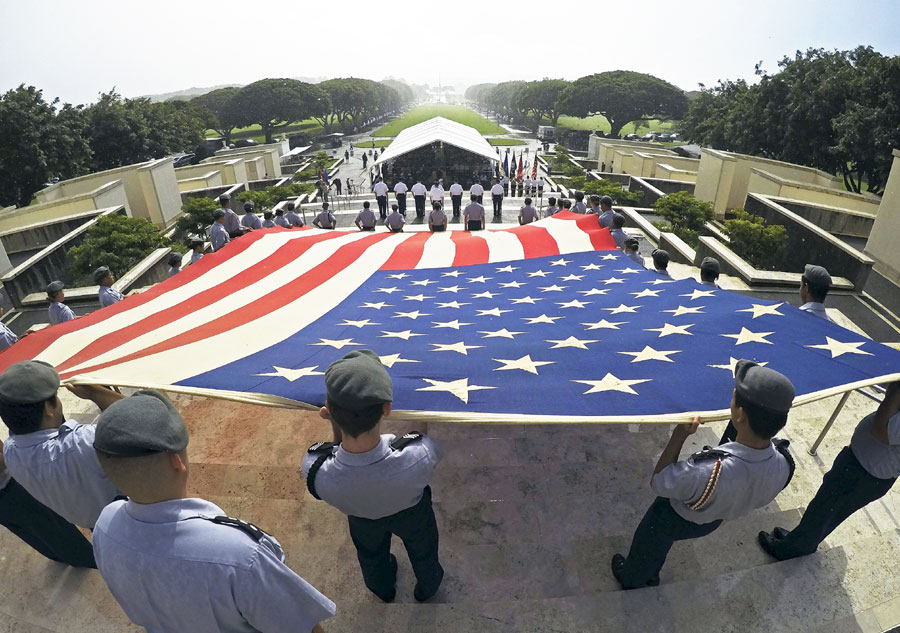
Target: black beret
[(100, 274), (817, 275), (358, 380), (28, 382), (606, 200), (710, 263), (224, 197), (174, 259), (763, 387), (142, 424), (218, 213), (55, 286)]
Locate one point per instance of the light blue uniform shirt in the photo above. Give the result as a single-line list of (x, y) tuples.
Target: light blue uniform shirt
[(251, 221), (395, 221), (282, 221), (172, 571), (606, 218), (7, 337), (579, 207), (218, 236), (232, 221), (294, 218), (619, 236), (816, 309), (109, 295), (635, 257), (325, 220), (268, 224), (174, 270), (879, 460), (749, 479), (196, 257), (59, 468), (379, 482), (59, 312)]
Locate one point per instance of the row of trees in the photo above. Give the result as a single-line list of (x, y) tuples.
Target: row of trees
[(273, 103), (41, 139), (838, 111), (621, 96)]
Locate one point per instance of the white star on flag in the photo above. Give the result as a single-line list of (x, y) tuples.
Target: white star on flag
[(459, 388), (459, 348), (732, 364), (405, 334), (415, 314), (507, 269), (452, 304), (609, 257), (572, 342), (392, 359), (419, 297), (696, 294), (592, 267), (359, 324), (628, 270), (512, 284), (656, 282), (837, 348), (611, 383), (453, 289), (388, 290), (746, 336), (574, 303), (422, 282), (572, 278), (759, 309), (538, 273), (502, 333), (376, 306), (603, 324), (455, 324), (553, 288), (294, 374), (336, 344), (668, 329), (680, 310), (541, 319), (398, 276), (622, 308), (525, 364), (452, 273), (492, 312), (530, 300), (487, 294), (594, 291), (646, 292), (560, 262), (613, 280), (648, 353), (479, 280)]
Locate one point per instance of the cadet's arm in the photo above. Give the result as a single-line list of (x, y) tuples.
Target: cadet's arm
[(101, 396), (673, 449), (888, 407)]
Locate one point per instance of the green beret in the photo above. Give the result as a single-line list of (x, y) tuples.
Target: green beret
[(817, 275), (28, 382), (55, 286), (763, 387), (143, 424), (100, 274), (358, 380)]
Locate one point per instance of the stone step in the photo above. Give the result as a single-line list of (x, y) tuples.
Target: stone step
[(839, 589)]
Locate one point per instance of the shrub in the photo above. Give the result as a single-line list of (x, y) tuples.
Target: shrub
[(685, 214), (116, 241), (197, 218), (604, 187), (753, 240)]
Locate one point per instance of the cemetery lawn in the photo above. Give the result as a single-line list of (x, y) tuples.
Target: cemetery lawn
[(378, 142), (506, 141), (456, 113), (599, 122)]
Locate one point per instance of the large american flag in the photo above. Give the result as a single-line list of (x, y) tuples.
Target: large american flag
[(541, 323)]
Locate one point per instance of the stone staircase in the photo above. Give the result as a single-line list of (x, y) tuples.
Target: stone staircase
[(529, 517)]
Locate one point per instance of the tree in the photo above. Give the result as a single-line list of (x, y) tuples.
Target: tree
[(623, 96), (685, 215), (117, 241), (38, 140), (218, 102), (502, 99), (479, 92), (541, 99), (196, 218), (753, 240), (271, 103), (404, 92)]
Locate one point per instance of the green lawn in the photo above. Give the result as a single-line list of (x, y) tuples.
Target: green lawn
[(378, 142), (599, 122), (452, 112), (506, 141)]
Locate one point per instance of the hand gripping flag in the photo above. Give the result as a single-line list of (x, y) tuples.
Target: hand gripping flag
[(540, 323)]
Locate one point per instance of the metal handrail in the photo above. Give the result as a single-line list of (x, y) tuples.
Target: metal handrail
[(878, 397)]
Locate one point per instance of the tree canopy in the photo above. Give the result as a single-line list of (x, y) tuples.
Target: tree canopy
[(271, 103), (219, 104), (623, 96), (117, 241), (541, 99)]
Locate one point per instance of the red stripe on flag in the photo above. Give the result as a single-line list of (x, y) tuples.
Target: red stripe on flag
[(470, 249), (284, 255), (536, 241), (600, 237), (408, 254), (341, 259)]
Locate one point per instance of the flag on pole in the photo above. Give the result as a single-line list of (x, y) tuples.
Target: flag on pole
[(534, 169), (506, 165), (519, 173), (541, 323), (325, 175)]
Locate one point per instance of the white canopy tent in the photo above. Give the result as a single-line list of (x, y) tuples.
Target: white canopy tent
[(439, 129)]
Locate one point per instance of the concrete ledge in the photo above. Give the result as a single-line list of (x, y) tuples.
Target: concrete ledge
[(651, 193), (622, 179), (830, 218), (212, 192), (636, 219), (668, 186), (678, 249), (713, 230)]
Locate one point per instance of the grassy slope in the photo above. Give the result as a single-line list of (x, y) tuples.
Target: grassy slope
[(456, 113)]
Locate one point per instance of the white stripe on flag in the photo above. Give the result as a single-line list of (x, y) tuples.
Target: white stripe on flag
[(503, 246), (439, 251), (568, 240), (178, 364)]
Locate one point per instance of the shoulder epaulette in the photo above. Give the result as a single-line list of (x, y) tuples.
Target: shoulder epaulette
[(244, 526), (402, 442), (709, 453), (321, 447)]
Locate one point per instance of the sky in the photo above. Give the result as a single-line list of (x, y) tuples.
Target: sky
[(75, 50)]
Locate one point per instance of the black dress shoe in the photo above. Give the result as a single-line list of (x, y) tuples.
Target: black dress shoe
[(618, 566), (779, 533), (767, 542), (422, 596)]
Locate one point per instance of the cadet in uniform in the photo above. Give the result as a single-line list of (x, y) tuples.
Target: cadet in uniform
[(606, 211), (528, 213), (175, 263), (250, 220), (862, 473), (365, 219), (395, 221), (292, 216), (631, 250), (551, 207), (473, 215), (197, 248), (497, 199), (814, 287), (39, 526), (595, 205), (709, 271), (280, 220), (53, 458), (579, 206), (107, 294), (176, 563), (617, 232), (232, 221), (381, 191), (418, 192), (268, 222), (379, 481), (565, 204), (7, 336), (714, 485), (456, 192), (400, 190), (476, 192), (218, 236), (437, 193), (325, 219), (660, 262), (437, 219), (58, 312)]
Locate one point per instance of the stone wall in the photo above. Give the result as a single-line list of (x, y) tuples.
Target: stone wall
[(884, 241), (769, 184), (832, 219)]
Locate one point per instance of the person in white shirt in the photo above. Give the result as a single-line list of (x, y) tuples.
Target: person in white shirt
[(497, 199), (381, 190), (528, 213), (418, 192), (539, 185), (437, 219), (437, 193), (400, 190), (365, 219), (456, 192), (477, 191)]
